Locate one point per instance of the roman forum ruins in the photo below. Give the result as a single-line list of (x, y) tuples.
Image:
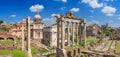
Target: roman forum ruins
[(75, 24)]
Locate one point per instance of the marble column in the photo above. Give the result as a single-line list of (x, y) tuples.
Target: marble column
[(80, 33), (84, 32), (23, 28), (72, 33), (28, 37), (62, 34), (68, 35), (58, 34), (77, 33)]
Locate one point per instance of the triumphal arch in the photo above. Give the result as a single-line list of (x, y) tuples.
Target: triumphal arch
[(70, 31)]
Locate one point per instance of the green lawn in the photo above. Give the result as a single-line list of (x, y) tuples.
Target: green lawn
[(43, 50), (91, 40), (7, 42), (118, 47), (52, 55), (36, 51), (14, 53)]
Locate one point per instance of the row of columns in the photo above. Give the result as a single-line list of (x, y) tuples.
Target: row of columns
[(74, 33)]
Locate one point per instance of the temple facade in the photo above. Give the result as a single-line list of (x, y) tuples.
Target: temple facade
[(36, 28), (50, 36), (93, 29)]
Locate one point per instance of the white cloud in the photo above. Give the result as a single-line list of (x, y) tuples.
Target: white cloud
[(36, 7), (49, 21), (93, 3), (110, 0), (74, 9), (64, 0), (13, 15), (53, 14), (61, 0), (109, 14), (108, 10)]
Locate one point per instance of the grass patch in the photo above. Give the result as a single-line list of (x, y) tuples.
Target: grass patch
[(14, 53), (52, 55), (7, 42), (80, 45), (91, 41), (34, 51), (118, 47), (43, 50)]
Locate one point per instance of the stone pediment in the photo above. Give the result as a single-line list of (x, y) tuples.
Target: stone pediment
[(70, 15)]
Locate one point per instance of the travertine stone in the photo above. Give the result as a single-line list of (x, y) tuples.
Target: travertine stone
[(77, 32), (63, 34), (58, 25), (28, 37), (68, 35), (72, 33), (23, 37), (84, 32)]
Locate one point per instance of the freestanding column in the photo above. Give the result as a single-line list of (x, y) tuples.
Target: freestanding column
[(23, 37), (58, 33), (28, 39), (72, 33), (80, 33), (84, 32), (77, 32), (62, 34), (68, 35)]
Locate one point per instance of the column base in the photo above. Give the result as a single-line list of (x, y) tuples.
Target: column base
[(29, 53), (61, 52)]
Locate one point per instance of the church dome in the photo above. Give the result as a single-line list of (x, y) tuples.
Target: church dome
[(37, 16)]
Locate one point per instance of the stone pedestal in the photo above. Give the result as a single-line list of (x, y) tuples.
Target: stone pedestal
[(61, 52)]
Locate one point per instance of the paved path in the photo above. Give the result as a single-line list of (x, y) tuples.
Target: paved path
[(102, 46), (106, 46)]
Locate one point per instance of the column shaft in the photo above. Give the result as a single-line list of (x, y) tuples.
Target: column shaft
[(58, 31), (80, 33), (23, 37), (62, 34), (84, 33), (28, 39), (73, 33), (68, 35), (77, 33)]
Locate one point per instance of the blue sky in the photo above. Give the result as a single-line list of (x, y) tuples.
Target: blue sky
[(95, 11)]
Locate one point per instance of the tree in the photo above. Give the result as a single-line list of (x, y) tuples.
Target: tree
[(107, 32), (1, 21)]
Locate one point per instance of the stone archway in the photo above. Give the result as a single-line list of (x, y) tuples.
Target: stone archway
[(10, 38), (1, 38)]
